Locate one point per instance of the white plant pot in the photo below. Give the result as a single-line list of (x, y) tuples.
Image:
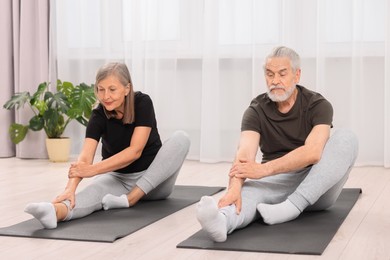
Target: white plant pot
[(58, 149)]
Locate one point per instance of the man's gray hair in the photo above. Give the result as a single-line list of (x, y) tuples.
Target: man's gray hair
[(283, 51)]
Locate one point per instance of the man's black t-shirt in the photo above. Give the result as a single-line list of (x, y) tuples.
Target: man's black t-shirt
[(281, 133)]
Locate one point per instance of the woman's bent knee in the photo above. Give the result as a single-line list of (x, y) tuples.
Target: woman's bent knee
[(182, 138)]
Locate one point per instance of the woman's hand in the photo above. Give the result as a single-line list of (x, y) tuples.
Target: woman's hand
[(66, 195), (81, 170)]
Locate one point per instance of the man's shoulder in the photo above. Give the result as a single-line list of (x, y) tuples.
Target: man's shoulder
[(311, 96), (260, 100)]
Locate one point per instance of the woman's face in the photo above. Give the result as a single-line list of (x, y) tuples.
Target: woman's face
[(111, 93)]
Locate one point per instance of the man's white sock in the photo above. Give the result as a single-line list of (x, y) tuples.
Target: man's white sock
[(211, 220), (278, 213)]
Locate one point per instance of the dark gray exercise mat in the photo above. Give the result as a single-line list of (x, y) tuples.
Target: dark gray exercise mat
[(107, 226), (309, 234)]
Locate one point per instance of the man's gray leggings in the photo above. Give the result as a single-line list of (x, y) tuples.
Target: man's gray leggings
[(313, 188)]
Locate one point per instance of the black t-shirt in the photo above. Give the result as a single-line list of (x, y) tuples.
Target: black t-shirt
[(116, 136), (281, 133)]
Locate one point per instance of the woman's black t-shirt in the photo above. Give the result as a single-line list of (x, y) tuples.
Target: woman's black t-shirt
[(116, 136)]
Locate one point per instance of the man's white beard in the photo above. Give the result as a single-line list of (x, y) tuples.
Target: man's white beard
[(280, 98)]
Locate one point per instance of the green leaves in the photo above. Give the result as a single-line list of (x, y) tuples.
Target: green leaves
[(36, 98), (52, 111), (65, 87), (17, 101), (36, 123), (17, 132), (54, 123), (82, 100), (57, 101)]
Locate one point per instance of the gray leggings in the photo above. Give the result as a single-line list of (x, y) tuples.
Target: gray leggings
[(157, 181), (313, 188)]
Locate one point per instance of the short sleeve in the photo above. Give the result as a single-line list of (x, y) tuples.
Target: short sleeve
[(95, 127), (144, 112), (321, 112), (250, 120)]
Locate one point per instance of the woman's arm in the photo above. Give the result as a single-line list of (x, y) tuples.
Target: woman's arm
[(117, 161), (86, 158)]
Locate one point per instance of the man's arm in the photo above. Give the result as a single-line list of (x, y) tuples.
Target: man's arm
[(305, 155), (246, 152), (308, 154)]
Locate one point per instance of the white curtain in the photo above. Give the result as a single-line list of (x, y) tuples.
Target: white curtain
[(201, 61)]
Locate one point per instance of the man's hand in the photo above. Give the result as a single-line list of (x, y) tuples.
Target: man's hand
[(251, 170), (232, 196), (81, 170)]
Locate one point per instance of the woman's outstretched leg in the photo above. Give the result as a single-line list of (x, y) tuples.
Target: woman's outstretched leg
[(87, 201), (47, 213)]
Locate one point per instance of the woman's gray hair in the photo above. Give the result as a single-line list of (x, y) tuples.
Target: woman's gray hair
[(282, 51), (121, 72)]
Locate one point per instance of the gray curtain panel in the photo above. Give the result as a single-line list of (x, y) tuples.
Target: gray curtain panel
[(25, 48), (6, 74)]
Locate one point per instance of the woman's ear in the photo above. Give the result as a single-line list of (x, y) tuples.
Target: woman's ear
[(127, 89)]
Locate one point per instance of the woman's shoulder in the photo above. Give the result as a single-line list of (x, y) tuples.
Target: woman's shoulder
[(138, 95), (97, 116), (97, 113), (98, 110), (141, 98)]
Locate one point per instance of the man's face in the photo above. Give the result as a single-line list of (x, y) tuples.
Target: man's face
[(281, 79)]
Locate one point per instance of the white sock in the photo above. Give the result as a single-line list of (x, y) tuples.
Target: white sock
[(114, 202), (44, 212), (211, 220), (278, 213)]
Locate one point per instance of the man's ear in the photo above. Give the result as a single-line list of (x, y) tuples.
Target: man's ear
[(297, 76)]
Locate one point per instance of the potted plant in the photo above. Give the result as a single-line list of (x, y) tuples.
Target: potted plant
[(53, 112)]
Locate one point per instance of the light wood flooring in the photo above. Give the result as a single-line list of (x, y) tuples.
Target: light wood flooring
[(365, 234)]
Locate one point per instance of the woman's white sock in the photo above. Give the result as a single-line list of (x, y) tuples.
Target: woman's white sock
[(44, 212), (114, 202)]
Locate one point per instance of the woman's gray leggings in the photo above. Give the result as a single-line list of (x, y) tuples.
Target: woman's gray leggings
[(313, 188), (157, 181)]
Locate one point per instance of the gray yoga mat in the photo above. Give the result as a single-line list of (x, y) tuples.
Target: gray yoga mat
[(309, 234), (107, 226)]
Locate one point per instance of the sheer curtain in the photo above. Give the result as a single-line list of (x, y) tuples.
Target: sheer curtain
[(201, 61)]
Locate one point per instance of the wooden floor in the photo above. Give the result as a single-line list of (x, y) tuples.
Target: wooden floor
[(365, 234)]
